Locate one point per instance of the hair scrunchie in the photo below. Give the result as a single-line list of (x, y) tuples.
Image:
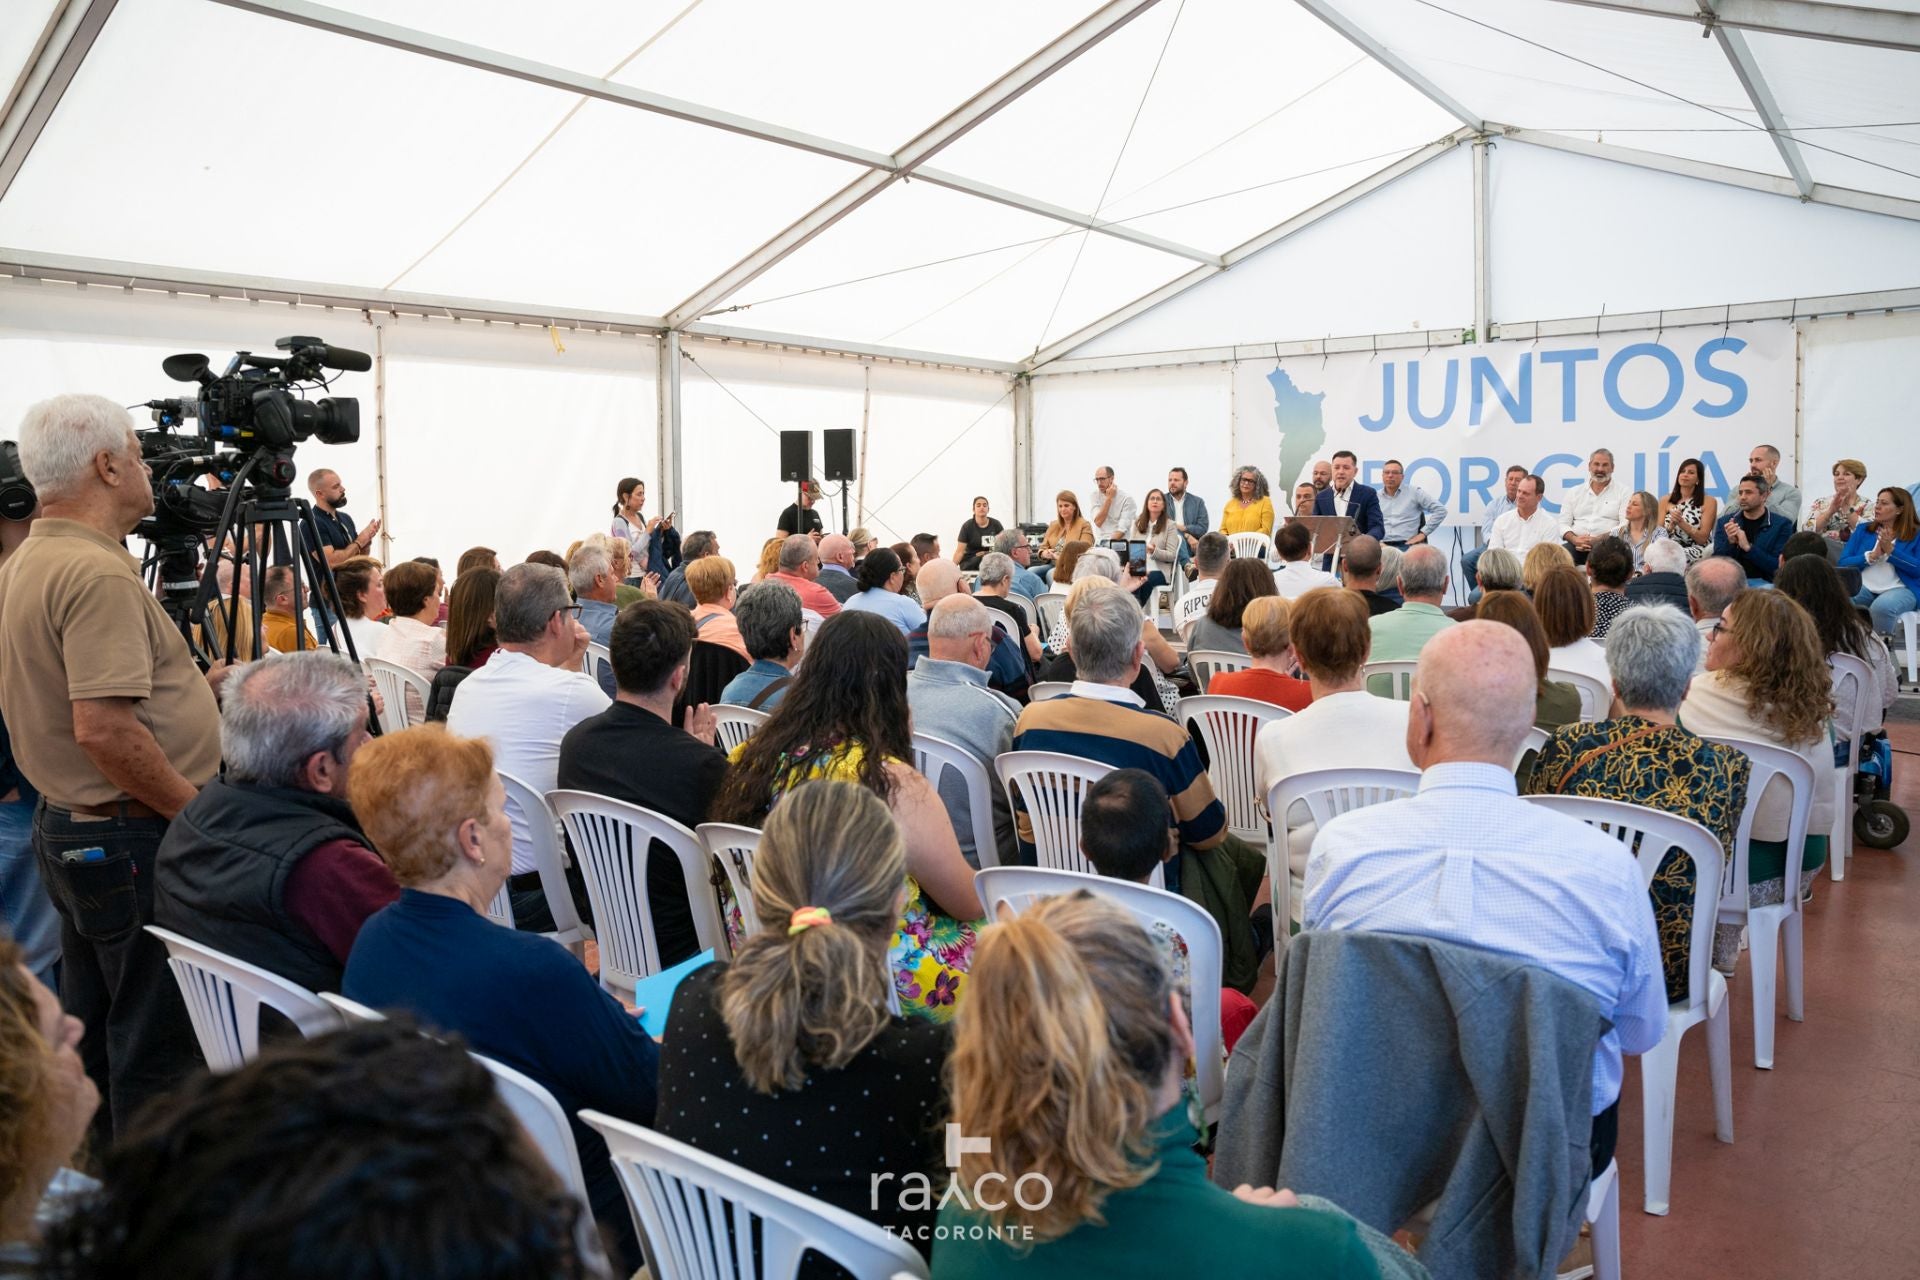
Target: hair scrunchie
[(806, 918)]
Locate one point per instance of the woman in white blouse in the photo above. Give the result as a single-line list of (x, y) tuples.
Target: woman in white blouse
[(413, 593)]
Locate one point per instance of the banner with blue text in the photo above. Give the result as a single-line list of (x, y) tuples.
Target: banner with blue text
[(1458, 418)]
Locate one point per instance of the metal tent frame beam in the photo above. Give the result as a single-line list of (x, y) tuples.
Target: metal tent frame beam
[(44, 81), (1806, 19), (1734, 46), (1373, 48)]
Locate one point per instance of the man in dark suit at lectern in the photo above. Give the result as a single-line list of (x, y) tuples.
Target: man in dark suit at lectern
[(1348, 497)]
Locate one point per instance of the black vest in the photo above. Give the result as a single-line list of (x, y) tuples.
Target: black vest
[(221, 874)]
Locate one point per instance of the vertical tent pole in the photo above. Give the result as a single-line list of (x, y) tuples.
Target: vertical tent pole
[(1482, 246), (866, 425), (380, 432), (1023, 448), (669, 423)]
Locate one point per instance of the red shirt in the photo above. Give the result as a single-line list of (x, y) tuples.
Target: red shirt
[(333, 890), (812, 595), (1263, 686)]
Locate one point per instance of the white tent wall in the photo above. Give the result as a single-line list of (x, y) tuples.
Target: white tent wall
[(1861, 383), (497, 437), (1140, 423), (934, 438)]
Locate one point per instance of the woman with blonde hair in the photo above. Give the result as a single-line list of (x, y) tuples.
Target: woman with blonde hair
[(769, 558), (1767, 679), (46, 1103), (787, 1061), (1068, 525), (1249, 508), (1541, 558), (1067, 1069), (1640, 527), (1266, 627)]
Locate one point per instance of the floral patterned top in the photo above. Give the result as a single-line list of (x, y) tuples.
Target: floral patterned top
[(931, 951), (1663, 767), (1827, 517)]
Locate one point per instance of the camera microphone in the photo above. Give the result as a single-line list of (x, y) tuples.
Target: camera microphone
[(344, 360)]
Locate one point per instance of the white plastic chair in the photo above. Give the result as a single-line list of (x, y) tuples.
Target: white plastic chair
[(1910, 624), (223, 997), (598, 661), (1765, 925), (737, 724), (351, 1011), (1595, 698), (934, 756), (1399, 675), (393, 681), (1603, 1216), (1327, 793), (549, 859), (540, 1115), (1025, 606), (1205, 664), (500, 910), (1052, 786), (1052, 607), (733, 847), (610, 839), (1251, 544), (701, 1217), (1536, 741), (1018, 887), (1853, 686), (1228, 727), (1652, 834), (1003, 622), (1041, 690)]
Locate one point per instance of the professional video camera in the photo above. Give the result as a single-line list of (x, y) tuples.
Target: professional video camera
[(240, 430)]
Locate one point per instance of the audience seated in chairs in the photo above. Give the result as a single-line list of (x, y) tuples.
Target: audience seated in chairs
[(411, 638), (846, 717), (992, 586), (1564, 602), (1345, 727), (1557, 702), (1297, 573), (1712, 585), (46, 1104), (374, 1151), (683, 769), (1125, 832), (1495, 569), (800, 569), (710, 583), (1643, 756), (1664, 581), (836, 566), (1009, 543), (590, 577), (1537, 562), (363, 600), (948, 694), (1400, 635), (1209, 562), (470, 637), (1814, 584), (1361, 572), (1006, 661), (437, 813), (1767, 679), (1609, 568), (1266, 627), (1068, 1063), (283, 601), (1467, 861), (1102, 719), (268, 864), (768, 615), (1244, 581), (523, 702), (698, 546), (881, 578), (786, 1062), (1060, 669)]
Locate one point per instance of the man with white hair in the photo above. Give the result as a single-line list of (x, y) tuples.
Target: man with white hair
[(268, 863), (948, 694), (595, 587), (1401, 635), (836, 567), (523, 701), (118, 730), (1665, 581), (1007, 668), (992, 587), (1467, 861), (1009, 543), (1711, 586), (800, 569)]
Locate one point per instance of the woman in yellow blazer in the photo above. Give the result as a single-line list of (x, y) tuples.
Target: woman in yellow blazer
[(1248, 509)]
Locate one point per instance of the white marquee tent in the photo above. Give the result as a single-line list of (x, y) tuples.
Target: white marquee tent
[(1006, 241)]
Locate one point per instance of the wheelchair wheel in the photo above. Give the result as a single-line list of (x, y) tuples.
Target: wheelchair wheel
[(1880, 824)]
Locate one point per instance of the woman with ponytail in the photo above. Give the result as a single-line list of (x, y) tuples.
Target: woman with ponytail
[(1066, 1079), (787, 1061)]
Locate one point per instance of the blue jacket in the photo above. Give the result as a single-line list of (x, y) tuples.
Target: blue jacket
[(1363, 504), (1763, 560), (1196, 513), (1905, 556)]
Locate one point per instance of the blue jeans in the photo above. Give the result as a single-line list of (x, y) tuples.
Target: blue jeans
[(24, 906), (113, 973), (1155, 580), (1886, 607)]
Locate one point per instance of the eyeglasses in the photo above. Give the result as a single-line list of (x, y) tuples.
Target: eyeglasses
[(573, 609), (1720, 628)]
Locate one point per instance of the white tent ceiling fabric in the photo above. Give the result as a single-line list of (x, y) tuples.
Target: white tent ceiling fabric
[(199, 136)]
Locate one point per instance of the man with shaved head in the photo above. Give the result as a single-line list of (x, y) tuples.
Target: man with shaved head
[(836, 567), (1467, 861), (1006, 664)]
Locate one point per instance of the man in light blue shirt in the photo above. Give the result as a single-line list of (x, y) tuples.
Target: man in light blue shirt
[(768, 614), (1409, 514), (1467, 861), (1009, 543), (1497, 508), (948, 694), (1401, 635)]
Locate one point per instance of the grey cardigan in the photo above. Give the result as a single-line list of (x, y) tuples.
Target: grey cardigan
[(1389, 1072)]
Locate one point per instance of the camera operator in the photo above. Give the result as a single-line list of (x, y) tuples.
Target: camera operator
[(340, 540), (118, 730)]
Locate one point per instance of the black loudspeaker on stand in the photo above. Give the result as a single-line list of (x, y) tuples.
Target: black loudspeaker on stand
[(840, 454), (796, 456)]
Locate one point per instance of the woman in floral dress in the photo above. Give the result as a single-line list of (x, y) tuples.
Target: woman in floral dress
[(845, 717)]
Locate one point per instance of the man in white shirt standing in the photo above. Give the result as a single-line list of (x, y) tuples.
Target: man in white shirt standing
[(1110, 511), (1467, 861), (1410, 515), (1593, 510), (523, 701), (1526, 526), (1296, 575), (1210, 561)]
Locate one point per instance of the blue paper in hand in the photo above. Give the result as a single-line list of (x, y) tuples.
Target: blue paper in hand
[(654, 995)]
